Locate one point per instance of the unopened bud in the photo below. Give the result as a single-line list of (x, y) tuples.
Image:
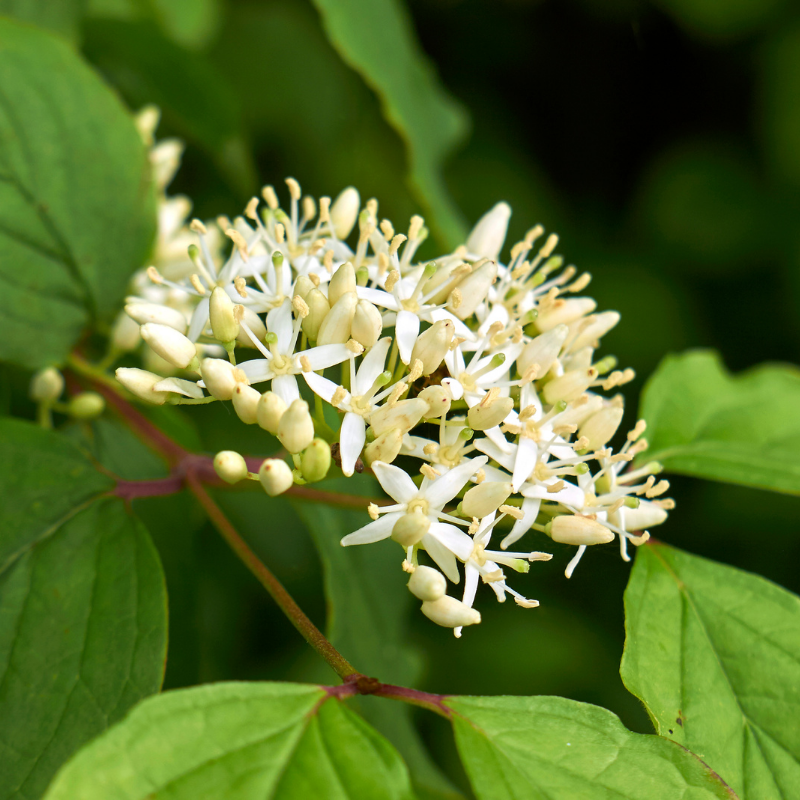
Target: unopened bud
[(577, 529), (596, 327), (269, 412), (646, 515), (86, 405), (342, 281), (438, 398), (230, 466), (367, 324), (427, 583), (296, 428), (580, 412), (335, 328), (220, 311), (431, 347), (318, 308), (218, 376), (489, 233), (410, 528), (450, 613), (474, 288), (543, 350), (344, 212), (316, 460), (403, 415), (257, 328), (125, 334), (600, 427), (47, 385), (140, 382), (385, 447), (170, 344), (303, 285), (482, 417), (562, 312), (245, 403), (155, 312), (569, 386), (482, 500), (275, 476)]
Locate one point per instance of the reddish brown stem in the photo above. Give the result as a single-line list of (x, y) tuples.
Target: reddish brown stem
[(361, 684)]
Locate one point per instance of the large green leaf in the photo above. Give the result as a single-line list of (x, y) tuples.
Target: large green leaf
[(77, 210), (551, 748), (63, 16), (368, 607), (714, 653), (82, 607), (238, 741), (743, 429), (377, 39)]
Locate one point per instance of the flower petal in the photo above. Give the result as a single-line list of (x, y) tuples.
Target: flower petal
[(530, 510), (504, 456), (257, 370), (455, 540), (199, 320), (446, 487), (375, 531), (378, 297), (442, 557), (351, 441), (324, 356), (322, 386), (279, 322), (372, 365), (524, 462), (395, 482), (406, 330), (179, 386), (285, 386)]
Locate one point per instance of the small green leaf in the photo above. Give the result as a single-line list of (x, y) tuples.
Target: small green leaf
[(77, 212), (743, 429), (62, 17), (238, 741), (82, 607), (377, 39), (551, 748), (714, 654)]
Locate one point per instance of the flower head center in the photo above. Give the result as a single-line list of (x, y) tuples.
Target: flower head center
[(418, 504)]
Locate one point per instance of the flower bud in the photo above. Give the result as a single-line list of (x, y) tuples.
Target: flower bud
[(403, 415), (474, 288), (595, 327), (646, 515), (450, 613), (220, 311), (427, 583), (577, 529), (431, 346), (140, 382), (543, 350), (230, 466), (342, 281), (335, 328), (303, 285), (170, 344), (486, 497), (271, 408), (562, 312), (276, 476), (482, 417), (385, 447), (344, 212), (245, 403), (488, 235), (296, 428), (438, 399), (316, 460), (318, 308), (578, 414), (367, 324), (47, 385), (218, 376), (569, 386), (86, 405), (125, 334), (410, 528), (155, 312), (257, 327), (600, 427)]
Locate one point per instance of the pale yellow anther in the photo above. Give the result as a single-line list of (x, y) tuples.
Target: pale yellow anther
[(490, 396), (327, 261), (621, 457), (580, 284), (480, 476), (396, 242), (224, 222), (238, 312), (582, 443), (239, 376), (324, 209), (512, 511), (659, 488), (429, 472), (639, 540), (646, 486), (565, 430), (521, 271), (549, 245), (518, 249), (553, 488), (533, 234), (408, 567), (372, 510), (268, 193), (461, 271), (294, 188), (383, 263), (527, 412), (415, 227), (550, 301), (541, 472), (398, 391), (197, 226), (305, 364), (238, 241), (639, 447), (616, 505), (240, 284), (339, 396), (494, 329), (154, 275), (314, 278), (300, 306), (391, 280), (372, 207), (516, 336), (531, 374), (566, 276), (638, 429), (430, 449), (473, 526), (251, 209), (355, 347), (387, 229), (514, 430), (667, 503), (280, 233), (457, 340), (455, 298), (309, 208), (416, 371), (195, 281)]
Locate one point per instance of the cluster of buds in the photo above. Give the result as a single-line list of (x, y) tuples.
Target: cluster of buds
[(467, 384)]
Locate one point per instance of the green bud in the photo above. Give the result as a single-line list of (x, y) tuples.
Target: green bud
[(86, 405), (605, 365), (582, 468), (632, 502), (498, 360), (271, 338), (430, 270), (316, 460), (362, 276), (277, 258), (47, 385)]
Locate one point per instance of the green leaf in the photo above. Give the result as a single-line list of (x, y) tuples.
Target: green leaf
[(551, 748), (238, 741), (744, 429), (62, 17), (77, 211), (368, 607), (82, 607), (714, 654), (377, 40)]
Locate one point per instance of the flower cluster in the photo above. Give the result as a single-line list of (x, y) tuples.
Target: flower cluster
[(468, 384)]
